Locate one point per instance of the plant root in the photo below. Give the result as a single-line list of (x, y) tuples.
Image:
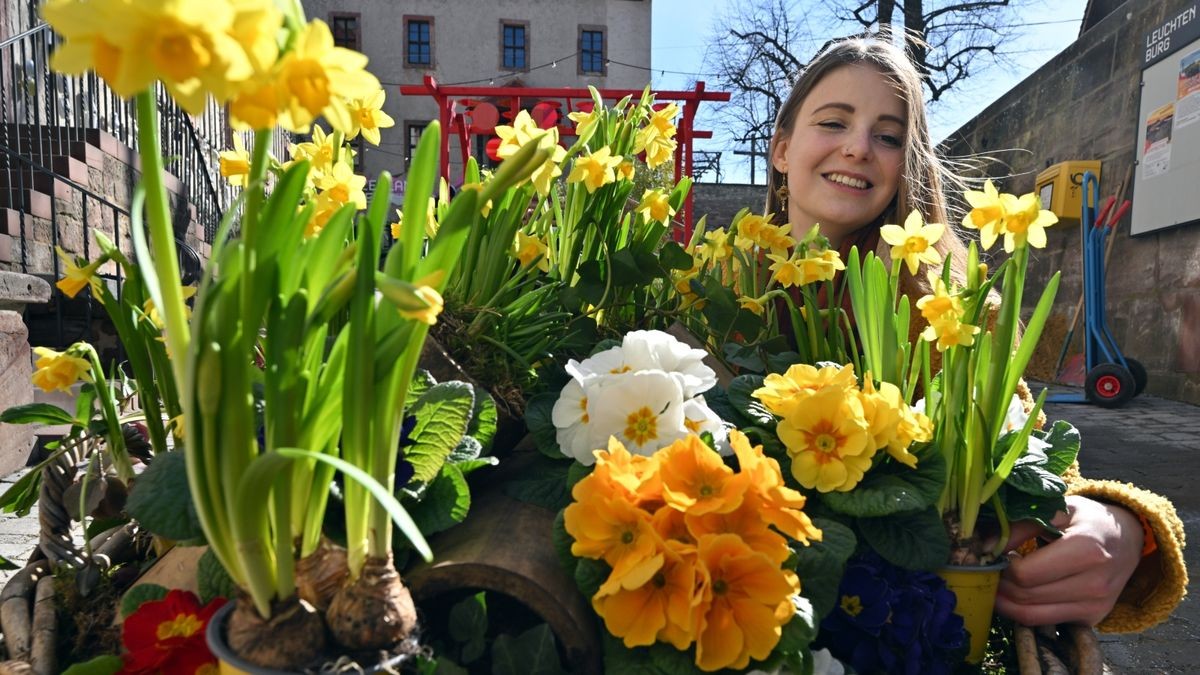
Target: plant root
[(292, 638), (376, 611)]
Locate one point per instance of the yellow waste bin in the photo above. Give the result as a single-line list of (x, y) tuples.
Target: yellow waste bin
[(1060, 187)]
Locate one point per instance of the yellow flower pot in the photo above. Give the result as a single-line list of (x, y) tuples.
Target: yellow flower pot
[(975, 587)]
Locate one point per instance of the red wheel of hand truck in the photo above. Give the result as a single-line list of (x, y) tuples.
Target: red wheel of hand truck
[(1109, 385)]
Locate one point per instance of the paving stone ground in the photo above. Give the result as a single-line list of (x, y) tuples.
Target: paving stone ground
[(1151, 442)]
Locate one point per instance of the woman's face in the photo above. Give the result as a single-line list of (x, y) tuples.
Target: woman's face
[(844, 157)]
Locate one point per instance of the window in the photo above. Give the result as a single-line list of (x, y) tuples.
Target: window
[(345, 30), (514, 45), (412, 134), (591, 50), (418, 41)]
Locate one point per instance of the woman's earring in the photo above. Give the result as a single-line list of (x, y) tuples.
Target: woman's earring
[(781, 193)]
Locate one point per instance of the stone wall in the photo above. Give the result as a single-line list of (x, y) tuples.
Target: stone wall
[(1083, 104), (721, 201)]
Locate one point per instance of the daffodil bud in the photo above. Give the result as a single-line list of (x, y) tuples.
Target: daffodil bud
[(208, 379)]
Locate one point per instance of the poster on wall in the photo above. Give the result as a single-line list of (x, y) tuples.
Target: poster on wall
[(1187, 90), (1167, 127), (1156, 151)]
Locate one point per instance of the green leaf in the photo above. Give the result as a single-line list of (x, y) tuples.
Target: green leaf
[(1024, 506), (23, 494), (1064, 446), (821, 563), (670, 661), (801, 629), (877, 496), (6, 564), (672, 256), (36, 413), (544, 484), (442, 416), (741, 397), (468, 618), (140, 595), (422, 381), (445, 502), (530, 653), (590, 575), (161, 500), (914, 540), (539, 419), (562, 544), (621, 660), (107, 664), (471, 465), (483, 419), (468, 449), (212, 580), (1034, 480)]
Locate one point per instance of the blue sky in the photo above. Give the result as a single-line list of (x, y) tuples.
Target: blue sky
[(681, 30)]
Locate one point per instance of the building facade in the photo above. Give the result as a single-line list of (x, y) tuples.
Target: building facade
[(532, 43), (1084, 105)]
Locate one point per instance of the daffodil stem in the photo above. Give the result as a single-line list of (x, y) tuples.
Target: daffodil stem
[(116, 439), (162, 237), (255, 186)]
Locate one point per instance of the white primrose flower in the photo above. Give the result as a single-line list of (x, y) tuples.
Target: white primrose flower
[(654, 349), (642, 409), (699, 418), (572, 423)]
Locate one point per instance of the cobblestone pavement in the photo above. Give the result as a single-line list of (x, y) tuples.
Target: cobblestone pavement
[(1151, 442), (1155, 444)]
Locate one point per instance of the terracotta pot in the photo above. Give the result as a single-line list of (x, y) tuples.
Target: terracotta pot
[(975, 587), (229, 663)]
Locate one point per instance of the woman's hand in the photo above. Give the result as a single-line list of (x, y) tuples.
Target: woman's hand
[(1077, 578)]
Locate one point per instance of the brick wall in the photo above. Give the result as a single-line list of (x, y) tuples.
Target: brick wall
[(1083, 104)]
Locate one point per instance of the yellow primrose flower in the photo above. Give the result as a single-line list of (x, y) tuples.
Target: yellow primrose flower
[(595, 170), (914, 242), (76, 277), (584, 121), (528, 248), (656, 206), (235, 163), (1025, 221), (986, 215), (625, 171), (367, 116), (828, 441), (319, 78), (342, 186), (783, 394), (59, 370)]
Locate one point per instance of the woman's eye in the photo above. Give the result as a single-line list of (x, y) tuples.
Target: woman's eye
[(831, 124), (890, 140)]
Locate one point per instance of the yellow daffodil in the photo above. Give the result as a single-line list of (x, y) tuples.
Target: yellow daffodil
[(986, 215), (750, 230), (550, 169), (584, 121), (756, 305), (816, 267), (256, 106), (659, 151), (320, 151), (828, 441), (255, 24), (394, 227), (625, 171), (529, 248), (235, 163), (434, 305), (914, 242), (367, 117), (319, 78), (715, 246), (342, 186), (1025, 221), (485, 209), (59, 370), (784, 270), (595, 170), (153, 314), (776, 238), (75, 278), (944, 313), (656, 206), (514, 136)]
